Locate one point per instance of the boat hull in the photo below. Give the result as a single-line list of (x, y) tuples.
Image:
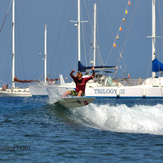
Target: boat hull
[(15, 93), (42, 90), (142, 91)]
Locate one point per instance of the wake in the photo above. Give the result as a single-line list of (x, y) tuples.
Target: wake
[(121, 118)]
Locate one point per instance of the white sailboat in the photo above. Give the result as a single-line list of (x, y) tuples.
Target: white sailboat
[(150, 88), (14, 92)]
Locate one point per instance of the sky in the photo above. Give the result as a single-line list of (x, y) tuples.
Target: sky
[(32, 15)]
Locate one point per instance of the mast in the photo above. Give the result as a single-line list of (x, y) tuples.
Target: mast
[(45, 52), (79, 48), (153, 33), (13, 43), (94, 37)]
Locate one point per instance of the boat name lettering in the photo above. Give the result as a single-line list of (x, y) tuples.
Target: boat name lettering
[(105, 91)]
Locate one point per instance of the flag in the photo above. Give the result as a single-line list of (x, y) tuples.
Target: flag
[(128, 75), (123, 20)]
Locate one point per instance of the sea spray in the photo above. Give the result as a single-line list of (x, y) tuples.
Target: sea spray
[(53, 93), (121, 118)]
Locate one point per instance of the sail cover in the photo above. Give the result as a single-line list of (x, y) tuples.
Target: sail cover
[(157, 65), (84, 68), (24, 81)]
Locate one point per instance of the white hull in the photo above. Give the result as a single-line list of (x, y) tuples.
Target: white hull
[(151, 88), (38, 90), (125, 92), (17, 92), (42, 90)]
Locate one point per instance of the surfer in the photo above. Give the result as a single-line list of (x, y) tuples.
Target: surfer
[(80, 83)]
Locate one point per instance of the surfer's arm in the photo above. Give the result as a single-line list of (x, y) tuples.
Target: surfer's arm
[(71, 74), (93, 72)]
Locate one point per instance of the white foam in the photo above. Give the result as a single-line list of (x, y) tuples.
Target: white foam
[(54, 95), (121, 118)]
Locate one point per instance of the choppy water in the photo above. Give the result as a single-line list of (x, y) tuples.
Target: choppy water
[(108, 130)]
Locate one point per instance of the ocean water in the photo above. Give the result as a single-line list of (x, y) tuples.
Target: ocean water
[(108, 130)]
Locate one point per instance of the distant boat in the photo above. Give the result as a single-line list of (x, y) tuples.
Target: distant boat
[(14, 92)]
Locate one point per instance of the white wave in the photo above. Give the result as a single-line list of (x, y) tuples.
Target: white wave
[(54, 95), (121, 118)]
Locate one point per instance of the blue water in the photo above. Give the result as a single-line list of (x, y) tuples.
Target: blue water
[(108, 130)]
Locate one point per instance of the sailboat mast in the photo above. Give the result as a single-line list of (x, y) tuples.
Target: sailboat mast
[(79, 48), (13, 43), (45, 52), (94, 36), (153, 33)]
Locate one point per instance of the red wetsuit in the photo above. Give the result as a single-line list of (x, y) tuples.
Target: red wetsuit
[(80, 84)]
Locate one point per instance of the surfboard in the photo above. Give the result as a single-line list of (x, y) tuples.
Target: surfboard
[(73, 102)]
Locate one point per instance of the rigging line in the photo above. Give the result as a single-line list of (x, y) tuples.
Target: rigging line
[(160, 25), (157, 41), (20, 47), (128, 34), (70, 47), (117, 34), (5, 16), (147, 40), (122, 21), (89, 19), (64, 40), (31, 44), (160, 32), (119, 61), (55, 16), (130, 27), (76, 56), (25, 6), (3, 82), (106, 20), (70, 37), (118, 51), (58, 37), (112, 48), (75, 33), (6, 51), (83, 42), (99, 54), (89, 37), (62, 50), (127, 37), (150, 63), (117, 66)]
